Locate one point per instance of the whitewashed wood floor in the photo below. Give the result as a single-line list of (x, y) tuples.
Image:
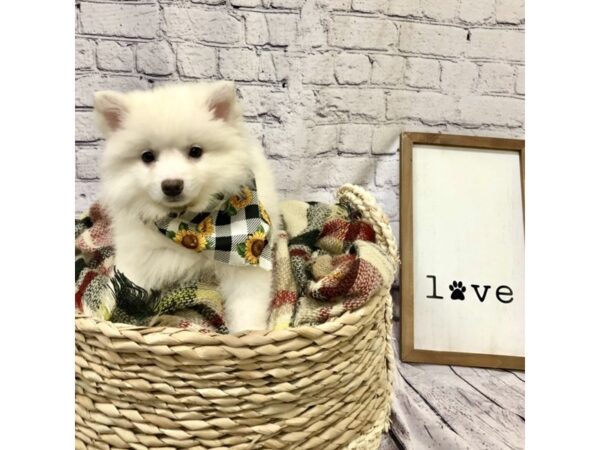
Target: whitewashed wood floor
[(452, 407)]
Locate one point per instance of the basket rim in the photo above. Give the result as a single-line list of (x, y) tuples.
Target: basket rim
[(346, 324)]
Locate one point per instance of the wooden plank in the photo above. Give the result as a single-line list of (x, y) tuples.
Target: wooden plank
[(498, 386), (518, 373), (413, 420), (388, 443), (395, 304), (466, 411), (456, 408)]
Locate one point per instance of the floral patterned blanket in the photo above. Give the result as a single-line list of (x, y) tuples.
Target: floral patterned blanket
[(325, 262)]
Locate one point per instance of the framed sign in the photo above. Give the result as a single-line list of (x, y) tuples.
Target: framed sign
[(462, 246)]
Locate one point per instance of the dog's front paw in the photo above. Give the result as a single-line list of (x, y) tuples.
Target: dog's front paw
[(247, 293), (250, 317)]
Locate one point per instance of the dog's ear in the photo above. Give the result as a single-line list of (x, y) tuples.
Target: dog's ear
[(222, 102), (110, 108)]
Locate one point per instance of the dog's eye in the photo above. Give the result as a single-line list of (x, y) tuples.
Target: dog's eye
[(148, 156), (195, 152)]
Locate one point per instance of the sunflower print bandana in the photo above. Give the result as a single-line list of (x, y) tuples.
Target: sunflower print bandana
[(234, 230)]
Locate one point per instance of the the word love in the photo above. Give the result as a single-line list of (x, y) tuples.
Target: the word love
[(458, 291)]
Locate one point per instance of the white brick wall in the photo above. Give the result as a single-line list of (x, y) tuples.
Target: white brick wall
[(327, 85)]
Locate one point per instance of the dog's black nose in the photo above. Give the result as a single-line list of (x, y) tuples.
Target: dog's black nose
[(172, 188)]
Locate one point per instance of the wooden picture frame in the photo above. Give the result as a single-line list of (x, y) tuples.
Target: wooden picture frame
[(408, 143)]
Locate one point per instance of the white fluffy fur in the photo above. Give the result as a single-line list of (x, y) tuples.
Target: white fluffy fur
[(169, 120)]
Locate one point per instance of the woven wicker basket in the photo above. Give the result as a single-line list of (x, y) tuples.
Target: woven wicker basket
[(324, 387)]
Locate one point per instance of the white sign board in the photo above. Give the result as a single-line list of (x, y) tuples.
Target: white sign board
[(467, 261)]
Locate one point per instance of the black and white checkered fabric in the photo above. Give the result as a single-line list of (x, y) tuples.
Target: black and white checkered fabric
[(236, 233)]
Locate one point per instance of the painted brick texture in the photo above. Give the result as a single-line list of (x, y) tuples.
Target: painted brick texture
[(327, 86)]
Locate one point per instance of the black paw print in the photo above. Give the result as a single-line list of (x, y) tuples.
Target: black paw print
[(458, 291)]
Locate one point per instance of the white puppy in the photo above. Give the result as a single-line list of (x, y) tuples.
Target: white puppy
[(172, 149)]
